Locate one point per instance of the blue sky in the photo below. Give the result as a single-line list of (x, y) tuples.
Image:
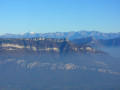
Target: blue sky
[(20, 16)]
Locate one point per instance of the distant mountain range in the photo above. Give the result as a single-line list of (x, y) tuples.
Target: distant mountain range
[(68, 35)]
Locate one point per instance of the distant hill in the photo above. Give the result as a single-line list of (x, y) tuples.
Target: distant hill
[(98, 43), (83, 40), (68, 35)]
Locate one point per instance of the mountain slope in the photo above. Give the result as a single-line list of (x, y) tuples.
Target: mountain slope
[(55, 64)]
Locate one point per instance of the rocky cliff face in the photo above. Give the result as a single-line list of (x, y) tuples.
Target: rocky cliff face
[(44, 45)]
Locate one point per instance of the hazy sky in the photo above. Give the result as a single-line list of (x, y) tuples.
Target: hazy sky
[(20, 16)]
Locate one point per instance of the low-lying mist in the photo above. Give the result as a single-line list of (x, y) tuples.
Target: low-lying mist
[(112, 51), (56, 72)]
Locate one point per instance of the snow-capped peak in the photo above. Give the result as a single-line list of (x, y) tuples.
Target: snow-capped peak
[(32, 32), (21, 33)]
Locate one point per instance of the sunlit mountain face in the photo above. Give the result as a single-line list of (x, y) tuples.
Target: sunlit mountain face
[(56, 64)]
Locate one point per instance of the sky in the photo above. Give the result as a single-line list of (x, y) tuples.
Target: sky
[(42, 16)]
